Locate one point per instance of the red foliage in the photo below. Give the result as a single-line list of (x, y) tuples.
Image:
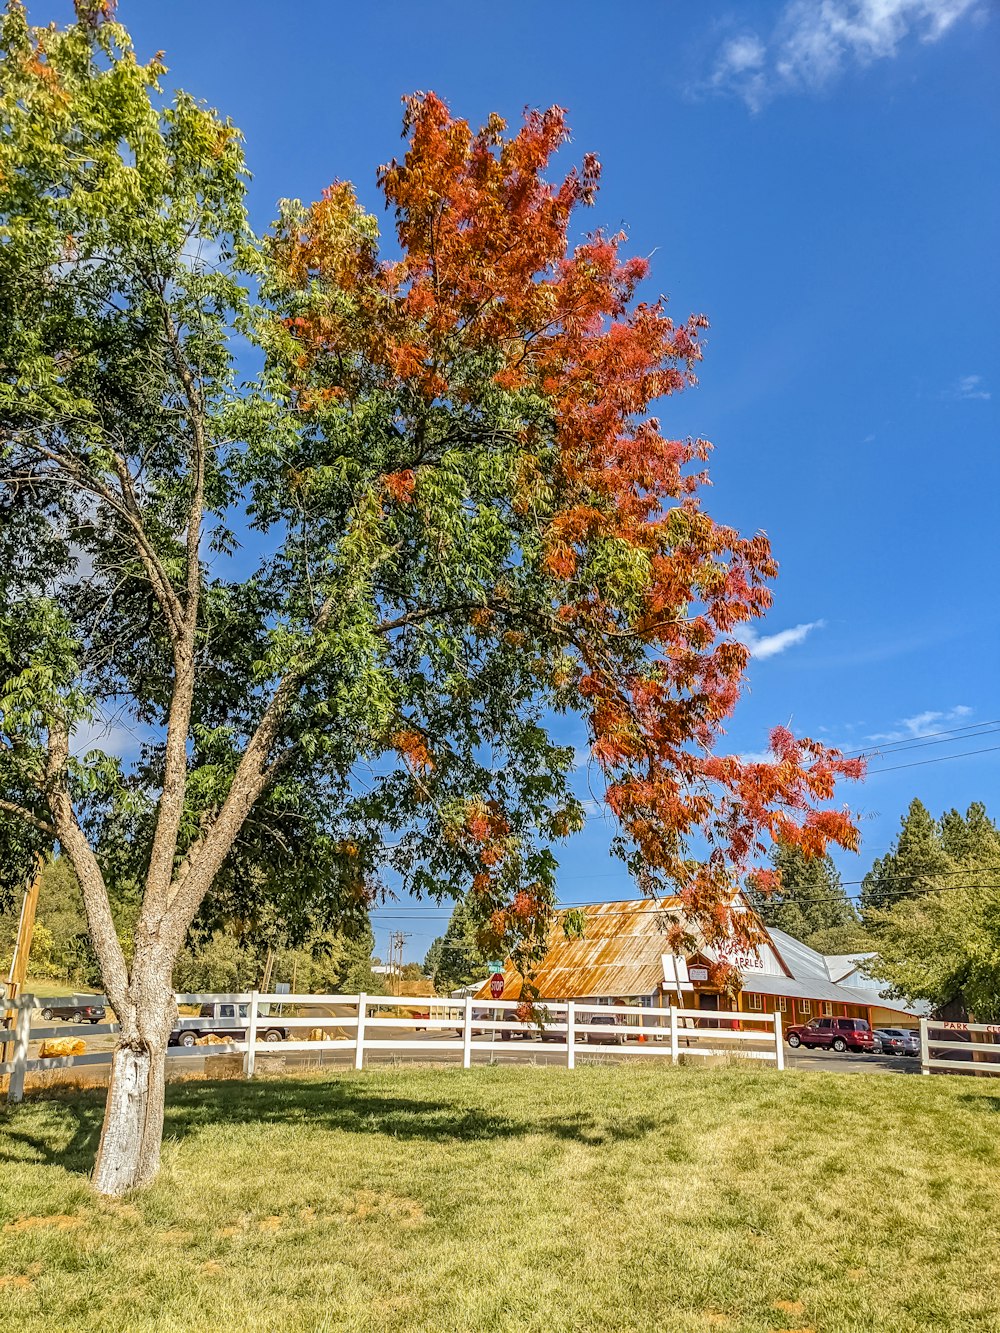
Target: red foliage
[(487, 266)]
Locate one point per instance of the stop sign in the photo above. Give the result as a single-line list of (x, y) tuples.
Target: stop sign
[(496, 985)]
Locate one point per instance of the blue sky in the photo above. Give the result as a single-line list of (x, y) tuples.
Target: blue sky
[(818, 177)]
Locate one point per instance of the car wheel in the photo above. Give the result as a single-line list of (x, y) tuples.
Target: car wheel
[(794, 1039), (271, 1035), (47, 1015), (839, 1045), (187, 1039), (79, 1017)]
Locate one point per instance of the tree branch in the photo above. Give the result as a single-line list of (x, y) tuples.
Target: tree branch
[(95, 894), (41, 824)]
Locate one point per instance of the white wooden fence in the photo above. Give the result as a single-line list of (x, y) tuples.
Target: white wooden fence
[(467, 1027), (971, 1056)]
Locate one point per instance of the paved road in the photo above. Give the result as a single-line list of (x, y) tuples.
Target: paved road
[(851, 1064)]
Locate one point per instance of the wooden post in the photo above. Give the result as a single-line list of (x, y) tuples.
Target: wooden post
[(925, 1051), (22, 948), (265, 984), (672, 1019), (467, 1034), (359, 1053), (250, 1059), (571, 1034), (779, 1046), (22, 1032)]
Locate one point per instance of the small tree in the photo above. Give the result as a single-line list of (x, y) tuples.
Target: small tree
[(459, 516)]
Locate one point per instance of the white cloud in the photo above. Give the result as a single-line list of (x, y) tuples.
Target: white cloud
[(769, 645), (757, 757), (923, 724), (814, 41), (967, 389)]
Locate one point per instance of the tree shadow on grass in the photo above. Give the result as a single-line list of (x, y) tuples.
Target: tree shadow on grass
[(984, 1103), (72, 1127), (67, 1137)]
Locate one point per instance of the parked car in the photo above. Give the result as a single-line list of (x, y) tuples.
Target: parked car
[(841, 1034), (606, 1038), (75, 1013), (898, 1041), (226, 1020)]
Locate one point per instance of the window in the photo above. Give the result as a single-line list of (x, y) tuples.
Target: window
[(827, 1007), (806, 1006), (755, 1002), (782, 1003), (244, 1010), (226, 1011), (824, 1024)]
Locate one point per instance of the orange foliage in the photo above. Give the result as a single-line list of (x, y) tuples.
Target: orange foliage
[(487, 266)]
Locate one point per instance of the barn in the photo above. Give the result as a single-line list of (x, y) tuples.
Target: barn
[(622, 957)]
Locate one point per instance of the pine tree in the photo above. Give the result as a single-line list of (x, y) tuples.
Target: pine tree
[(942, 945), (460, 961), (916, 861), (811, 904)]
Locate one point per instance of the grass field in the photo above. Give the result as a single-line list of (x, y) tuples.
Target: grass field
[(612, 1198)]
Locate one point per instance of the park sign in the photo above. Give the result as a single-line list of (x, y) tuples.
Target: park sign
[(496, 985)]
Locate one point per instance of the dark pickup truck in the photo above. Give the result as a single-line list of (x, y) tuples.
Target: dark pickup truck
[(228, 1021)]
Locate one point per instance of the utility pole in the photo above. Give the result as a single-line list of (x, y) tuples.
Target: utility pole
[(397, 942)]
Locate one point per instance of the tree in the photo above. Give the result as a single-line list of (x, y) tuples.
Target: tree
[(916, 859), (942, 943), (810, 903), (432, 958), (459, 960), (458, 515)]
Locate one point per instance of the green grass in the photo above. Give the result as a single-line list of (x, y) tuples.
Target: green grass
[(517, 1198), (51, 989)]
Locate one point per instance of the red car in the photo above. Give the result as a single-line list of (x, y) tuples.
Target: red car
[(843, 1034)]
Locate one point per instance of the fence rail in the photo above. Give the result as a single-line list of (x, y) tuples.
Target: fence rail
[(568, 1027), (980, 1055)]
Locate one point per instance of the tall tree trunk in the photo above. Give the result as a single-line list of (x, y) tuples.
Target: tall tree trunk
[(128, 1156)]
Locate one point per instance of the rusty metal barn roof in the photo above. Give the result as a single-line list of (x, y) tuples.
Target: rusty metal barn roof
[(619, 954)]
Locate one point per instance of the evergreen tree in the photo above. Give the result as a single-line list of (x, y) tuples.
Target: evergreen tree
[(811, 904), (460, 961), (917, 860), (943, 945)]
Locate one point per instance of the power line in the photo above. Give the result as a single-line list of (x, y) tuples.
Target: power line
[(908, 742), (890, 751), (941, 758)]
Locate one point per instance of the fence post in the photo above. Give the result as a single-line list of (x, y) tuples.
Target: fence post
[(571, 1034), (359, 1053), (674, 1045), (250, 1059), (779, 1048), (925, 1052), (467, 1034), (22, 1030)]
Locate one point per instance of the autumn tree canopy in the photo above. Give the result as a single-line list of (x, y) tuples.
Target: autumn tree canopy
[(344, 599)]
